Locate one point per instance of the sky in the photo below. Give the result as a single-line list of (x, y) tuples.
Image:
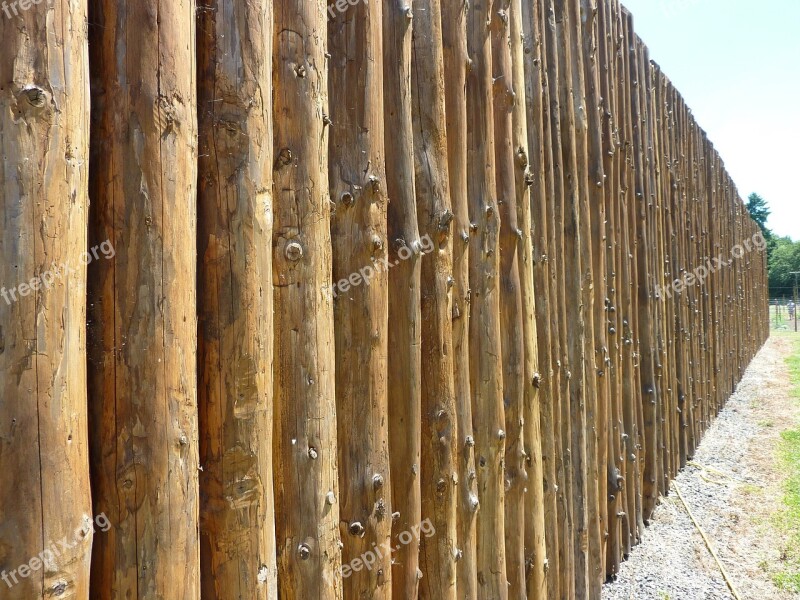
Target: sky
[(737, 65)]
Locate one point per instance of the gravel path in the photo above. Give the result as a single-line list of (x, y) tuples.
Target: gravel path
[(733, 488)]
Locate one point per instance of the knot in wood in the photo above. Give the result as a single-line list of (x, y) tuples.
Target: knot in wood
[(284, 157), (445, 219), (303, 552), (293, 251), (356, 529), (35, 96)]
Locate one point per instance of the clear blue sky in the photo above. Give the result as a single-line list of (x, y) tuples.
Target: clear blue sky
[(737, 64)]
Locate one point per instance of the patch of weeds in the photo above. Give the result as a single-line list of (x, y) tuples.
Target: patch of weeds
[(749, 489), (766, 424), (787, 521)]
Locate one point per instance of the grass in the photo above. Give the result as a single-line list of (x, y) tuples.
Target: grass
[(787, 521)]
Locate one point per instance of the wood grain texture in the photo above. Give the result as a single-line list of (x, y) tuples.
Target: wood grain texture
[(44, 453), (358, 231), (142, 305), (535, 554), (511, 310), (486, 371), (306, 485), (237, 508), (405, 326), (439, 475), (454, 37)]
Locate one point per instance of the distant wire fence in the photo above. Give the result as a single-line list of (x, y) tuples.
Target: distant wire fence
[(783, 315)]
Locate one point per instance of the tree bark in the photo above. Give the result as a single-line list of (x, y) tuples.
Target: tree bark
[(44, 455), (143, 385)]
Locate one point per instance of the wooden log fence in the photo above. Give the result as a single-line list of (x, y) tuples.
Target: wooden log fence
[(387, 299)]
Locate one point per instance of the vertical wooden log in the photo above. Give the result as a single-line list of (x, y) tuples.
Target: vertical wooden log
[(306, 487), (358, 233), (647, 355), (439, 479), (405, 412), (44, 455), (654, 199), (688, 149), (510, 297), (612, 496), (486, 373), (692, 195), (541, 180), (564, 475), (578, 280), (237, 514), (143, 386), (597, 377), (535, 553), (454, 35), (633, 400)]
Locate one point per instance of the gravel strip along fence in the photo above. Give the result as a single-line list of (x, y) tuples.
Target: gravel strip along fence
[(733, 488)]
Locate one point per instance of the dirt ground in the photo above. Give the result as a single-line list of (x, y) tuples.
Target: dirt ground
[(734, 489)]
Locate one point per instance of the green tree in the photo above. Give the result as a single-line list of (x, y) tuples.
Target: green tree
[(783, 261), (760, 212)]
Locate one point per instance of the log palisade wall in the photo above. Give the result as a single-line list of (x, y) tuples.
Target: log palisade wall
[(392, 284)]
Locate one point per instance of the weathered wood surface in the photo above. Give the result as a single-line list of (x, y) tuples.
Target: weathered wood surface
[(44, 444), (485, 361), (235, 321), (306, 486), (456, 60), (439, 447), (142, 304), (405, 327), (401, 300), (361, 301)]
